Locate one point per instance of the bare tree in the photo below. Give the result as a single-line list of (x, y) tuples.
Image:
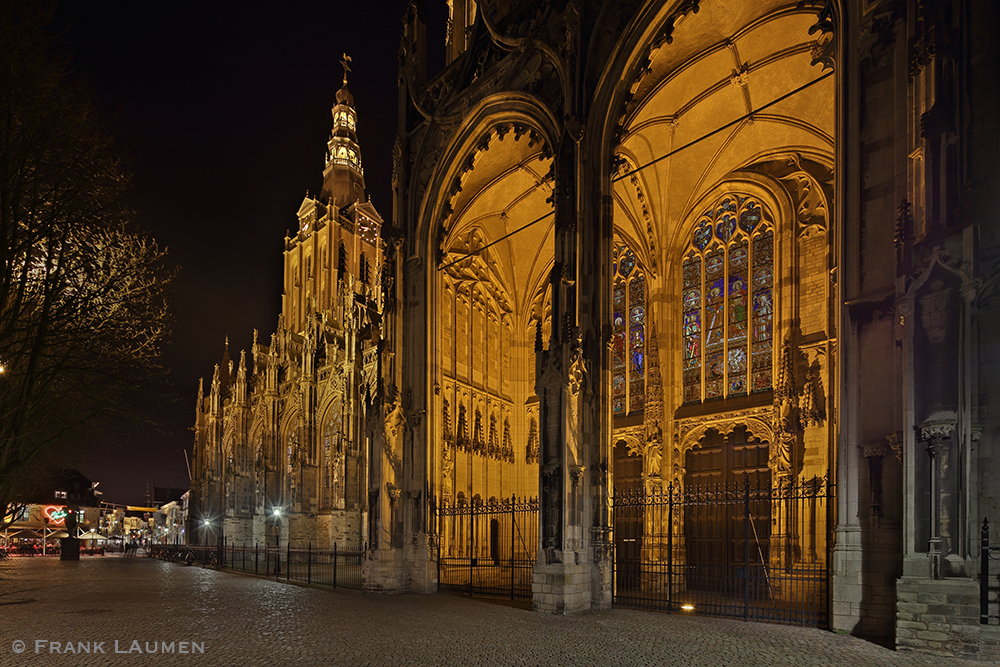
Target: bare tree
[(82, 309)]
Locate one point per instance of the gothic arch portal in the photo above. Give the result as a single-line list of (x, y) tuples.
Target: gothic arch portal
[(487, 289)]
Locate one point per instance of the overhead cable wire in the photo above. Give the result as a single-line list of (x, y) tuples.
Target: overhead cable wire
[(492, 243), (649, 164)]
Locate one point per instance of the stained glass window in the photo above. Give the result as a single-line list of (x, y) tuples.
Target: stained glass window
[(628, 373), (727, 302)]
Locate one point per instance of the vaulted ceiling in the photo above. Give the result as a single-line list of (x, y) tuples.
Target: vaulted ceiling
[(504, 189), (729, 61)]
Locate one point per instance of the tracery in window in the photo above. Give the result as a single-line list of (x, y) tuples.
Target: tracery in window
[(463, 429), (727, 302), (446, 421), (531, 451), (508, 448), (628, 379), (478, 442), (492, 446)]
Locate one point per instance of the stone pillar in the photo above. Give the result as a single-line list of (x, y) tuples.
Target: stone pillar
[(847, 561), (572, 570), (382, 571)]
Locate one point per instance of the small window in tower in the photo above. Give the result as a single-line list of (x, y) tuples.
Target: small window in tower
[(353, 157), (350, 121), (364, 269), (341, 153)]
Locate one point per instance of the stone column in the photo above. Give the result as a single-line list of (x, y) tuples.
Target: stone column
[(565, 575)]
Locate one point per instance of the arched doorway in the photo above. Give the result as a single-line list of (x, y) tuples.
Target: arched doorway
[(629, 517), (727, 526)]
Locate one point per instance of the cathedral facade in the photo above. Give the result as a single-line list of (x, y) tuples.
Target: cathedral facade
[(649, 246)]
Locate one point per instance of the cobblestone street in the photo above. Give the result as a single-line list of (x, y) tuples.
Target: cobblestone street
[(241, 620)]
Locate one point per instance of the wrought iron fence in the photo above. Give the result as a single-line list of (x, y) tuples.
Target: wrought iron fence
[(339, 568), (739, 551), (488, 549), (989, 609)]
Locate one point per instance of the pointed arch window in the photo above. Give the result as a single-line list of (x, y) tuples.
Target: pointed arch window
[(727, 303), (628, 377)]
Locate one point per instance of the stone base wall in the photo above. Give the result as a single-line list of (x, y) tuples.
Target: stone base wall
[(989, 643), (602, 589), (322, 531), (421, 564), (340, 527), (238, 530), (848, 586), (384, 571), (562, 588), (939, 616), (263, 532), (300, 530)]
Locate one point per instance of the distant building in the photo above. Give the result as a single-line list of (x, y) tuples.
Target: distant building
[(172, 521), (47, 507)]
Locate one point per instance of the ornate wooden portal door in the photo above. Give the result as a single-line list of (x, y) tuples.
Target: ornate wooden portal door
[(723, 478)]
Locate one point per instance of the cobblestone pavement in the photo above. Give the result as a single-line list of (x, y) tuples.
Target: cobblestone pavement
[(241, 620)]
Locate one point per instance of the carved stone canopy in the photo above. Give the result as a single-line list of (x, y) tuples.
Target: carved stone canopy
[(933, 431), (873, 449)]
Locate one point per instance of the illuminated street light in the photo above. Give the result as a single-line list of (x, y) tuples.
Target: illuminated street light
[(277, 540)]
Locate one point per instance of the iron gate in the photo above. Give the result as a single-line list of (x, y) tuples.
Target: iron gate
[(488, 549), (756, 552)]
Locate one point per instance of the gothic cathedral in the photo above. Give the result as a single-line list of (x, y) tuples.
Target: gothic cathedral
[(706, 289)]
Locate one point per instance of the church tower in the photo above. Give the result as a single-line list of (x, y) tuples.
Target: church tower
[(338, 235), (280, 455), (343, 176)]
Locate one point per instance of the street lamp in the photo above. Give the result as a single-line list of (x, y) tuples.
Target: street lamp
[(277, 541)]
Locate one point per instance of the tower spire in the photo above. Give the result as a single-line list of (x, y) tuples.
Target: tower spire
[(343, 175), (345, 62)]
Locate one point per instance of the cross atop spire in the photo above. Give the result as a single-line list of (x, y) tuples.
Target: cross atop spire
[(345, 62)]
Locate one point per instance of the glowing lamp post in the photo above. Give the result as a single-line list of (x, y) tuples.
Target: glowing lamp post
[(277, 541)]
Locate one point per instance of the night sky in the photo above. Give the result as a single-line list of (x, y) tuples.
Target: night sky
[(223, 111)]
